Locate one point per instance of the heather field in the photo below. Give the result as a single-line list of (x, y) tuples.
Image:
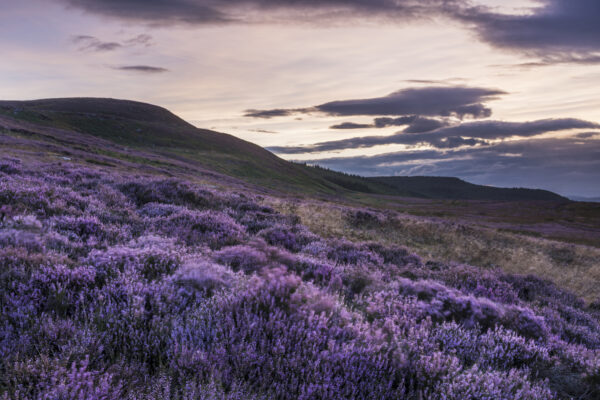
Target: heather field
[(299, 200), (121, 284)]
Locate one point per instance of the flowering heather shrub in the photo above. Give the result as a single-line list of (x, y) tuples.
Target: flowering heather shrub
[(242, 257), (5, 212), (81, 383), (212, 228), (167, 387), (24, 222), (202, 276), (364, 219), (256, 221), (18, 238), (241, 204), (343, 252), (317, 271), (467, 279), (76, 382), (531, 289), (481, 384), (256, 217), (498, 348), (293, 239), (396, 255), (445, 304), (33, 195), (357, 279), (167, 191), (150, 261), (10, 166), (80, 228), (268, 330), (114, 286), (62, 244), (158, 210)]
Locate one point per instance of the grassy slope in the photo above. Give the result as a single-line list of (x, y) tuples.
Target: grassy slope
[(148, 127)]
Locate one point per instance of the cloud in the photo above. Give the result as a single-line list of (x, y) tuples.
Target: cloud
[(587, 135), (262, 131), (146, 69), (351, 125), (457, 101), (384, 122), (568, 166), (460, 101), (277, 112), (140, 40), (164, 12), (169, 12), (415, 123), (558, 31), (449, 81), (92, 43), (470, 134)]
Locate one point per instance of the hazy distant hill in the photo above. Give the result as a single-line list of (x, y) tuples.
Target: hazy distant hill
[(586, 199), (454, 188), (152, 128)]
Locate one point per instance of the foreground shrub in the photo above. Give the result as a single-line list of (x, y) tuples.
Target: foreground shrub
[(290, 238), (171, 191), (242, 257), (214, 229)]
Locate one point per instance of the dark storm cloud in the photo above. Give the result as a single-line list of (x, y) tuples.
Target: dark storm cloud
[(225, 11), (145, 69), (557, 31), (564, 165), (458, 101), (470, 134)]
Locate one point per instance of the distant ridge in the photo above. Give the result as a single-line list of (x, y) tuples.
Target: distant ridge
[(455, 188), (155, 129), (585, 199)]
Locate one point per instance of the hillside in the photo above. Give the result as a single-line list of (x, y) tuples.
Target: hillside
[(149, 127)]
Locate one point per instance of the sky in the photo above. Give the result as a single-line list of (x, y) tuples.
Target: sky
[(502, 93)]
